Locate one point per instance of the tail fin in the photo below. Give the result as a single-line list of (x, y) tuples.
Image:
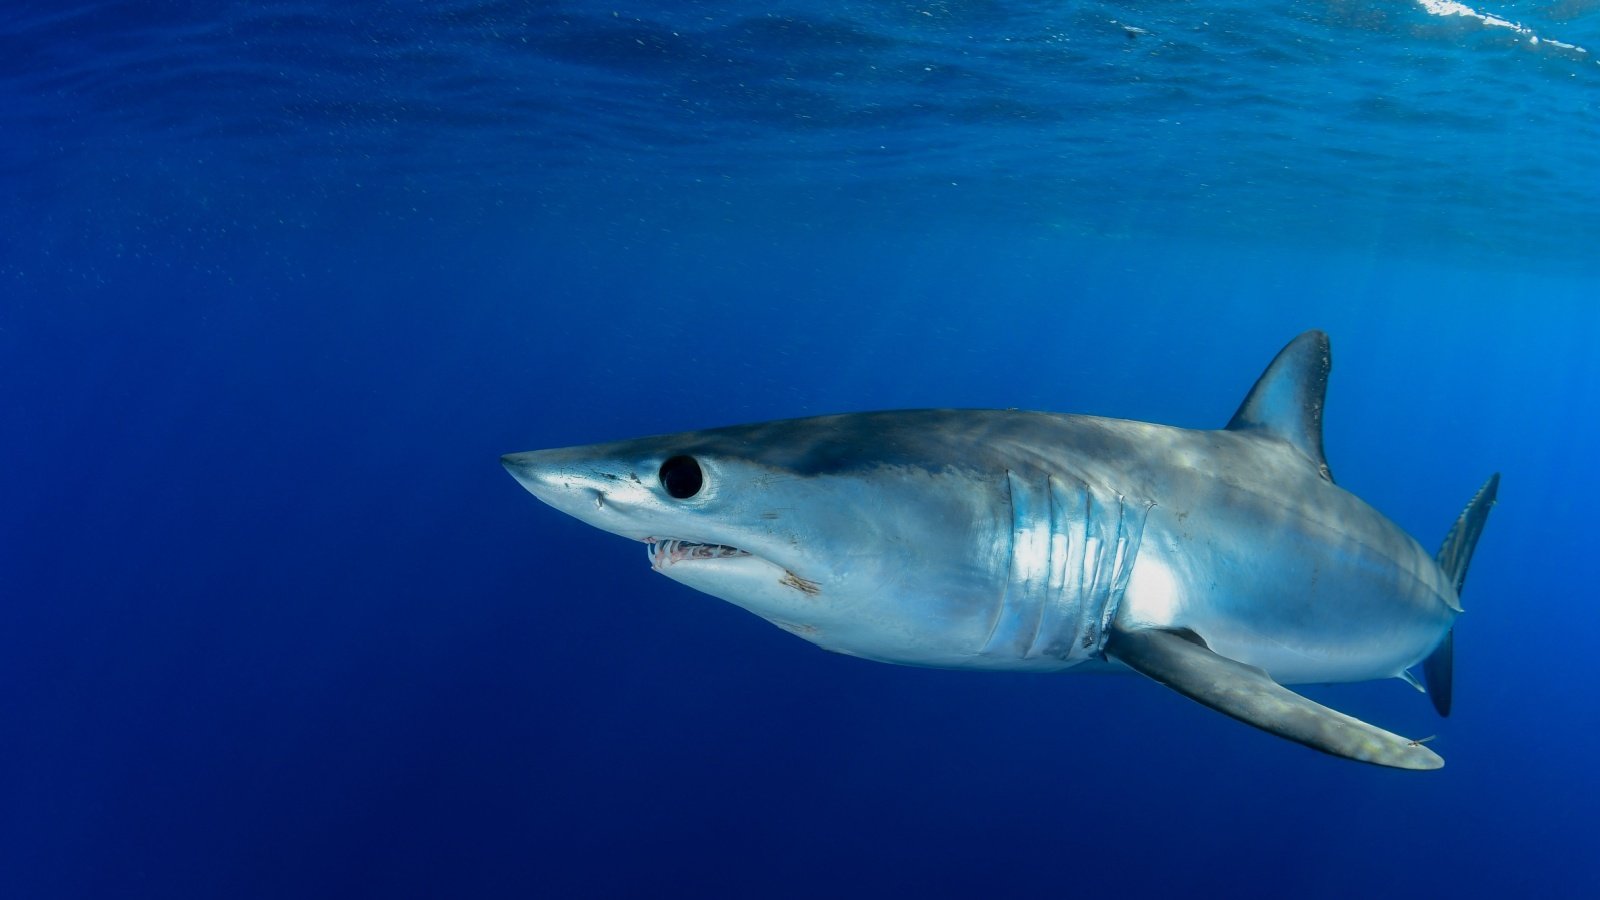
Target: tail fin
[(1453, 559)]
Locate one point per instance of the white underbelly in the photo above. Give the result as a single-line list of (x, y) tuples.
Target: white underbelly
[(1293, 644)]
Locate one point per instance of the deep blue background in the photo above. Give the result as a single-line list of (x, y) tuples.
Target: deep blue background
[(273, 622)]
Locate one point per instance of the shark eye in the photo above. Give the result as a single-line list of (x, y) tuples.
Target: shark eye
[(682, 478)]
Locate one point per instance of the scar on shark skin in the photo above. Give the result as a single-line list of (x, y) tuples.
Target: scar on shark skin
[(809, 588)]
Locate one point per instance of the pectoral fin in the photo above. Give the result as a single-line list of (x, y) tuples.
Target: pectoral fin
[(1183, 663)]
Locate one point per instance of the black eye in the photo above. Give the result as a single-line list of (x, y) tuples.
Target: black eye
[(682, 478)]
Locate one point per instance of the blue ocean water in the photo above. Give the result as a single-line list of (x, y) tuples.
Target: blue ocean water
[(279, 282)]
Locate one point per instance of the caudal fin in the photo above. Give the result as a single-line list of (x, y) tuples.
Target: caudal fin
[(1454, 557)]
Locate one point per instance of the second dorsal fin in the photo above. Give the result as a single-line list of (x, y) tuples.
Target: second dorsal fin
[(1286, 402)]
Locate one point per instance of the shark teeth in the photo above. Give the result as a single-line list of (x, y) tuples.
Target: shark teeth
[(664, 553)]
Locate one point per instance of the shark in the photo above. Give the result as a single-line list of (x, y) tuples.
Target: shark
[(1225, 564)]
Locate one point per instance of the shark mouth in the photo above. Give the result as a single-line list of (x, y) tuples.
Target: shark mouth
[(664, 553)]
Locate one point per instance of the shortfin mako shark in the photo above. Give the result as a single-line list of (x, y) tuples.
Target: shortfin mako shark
[(1223, 564)]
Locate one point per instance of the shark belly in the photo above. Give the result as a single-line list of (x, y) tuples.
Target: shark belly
[(1310, 586)]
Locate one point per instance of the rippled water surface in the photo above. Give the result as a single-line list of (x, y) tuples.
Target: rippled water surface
[(1396, 124)]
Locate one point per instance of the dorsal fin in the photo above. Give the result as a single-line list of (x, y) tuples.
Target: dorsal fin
[(1286, 402)]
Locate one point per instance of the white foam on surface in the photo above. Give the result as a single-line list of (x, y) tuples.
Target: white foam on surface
[(1452, 8)]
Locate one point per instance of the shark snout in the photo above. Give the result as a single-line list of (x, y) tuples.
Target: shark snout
[(517, 462), (550, 475), (603, 492), (531, 470)]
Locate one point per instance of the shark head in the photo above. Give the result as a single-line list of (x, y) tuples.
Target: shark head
[(854, 532)]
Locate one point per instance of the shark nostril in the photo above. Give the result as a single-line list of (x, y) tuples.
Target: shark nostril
[(599, 500)]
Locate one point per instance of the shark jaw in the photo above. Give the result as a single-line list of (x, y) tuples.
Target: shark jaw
[(722, 571), (664, 552)]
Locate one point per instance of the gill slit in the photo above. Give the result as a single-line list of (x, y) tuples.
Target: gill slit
[(1068, 562)]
